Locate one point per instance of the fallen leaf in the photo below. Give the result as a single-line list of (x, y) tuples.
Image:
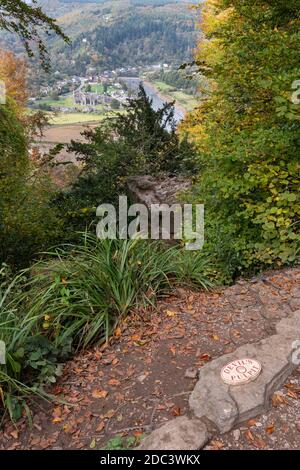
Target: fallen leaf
[(109, 414), (249, 436), (135, 337), (118, 332), (260, 443), (217, 444), (57, 412), (14, 434), (114, 382), (176, 411), (270, 429), (277, 400), (171, 313), (93, 444), (215, 337), (56, 420), (251, 422), (100, 426), (292, 394), (205, 357), (99, 393)]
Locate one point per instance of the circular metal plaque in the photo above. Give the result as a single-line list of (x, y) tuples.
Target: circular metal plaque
[(240, 371)]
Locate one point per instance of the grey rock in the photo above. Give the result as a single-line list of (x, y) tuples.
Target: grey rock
[(226, 406), (179, 434), (210, 397), (148, 190), (191, 373), (295, 303), (290, 326)]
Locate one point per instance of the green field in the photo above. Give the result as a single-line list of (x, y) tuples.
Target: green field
[(97, 88), (75, 118), (67, 102)]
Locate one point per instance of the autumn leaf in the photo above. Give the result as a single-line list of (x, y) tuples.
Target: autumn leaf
[(278, 400), (249, 436), (217, 444), (171, 313), (292, 394), (135, 337), (100, 426), (14, 434), (176, 411), (114, 382), (99, 393), (259, 443), (251, 422), (109, 414), (118, 332), (205, 357), (270, 429)]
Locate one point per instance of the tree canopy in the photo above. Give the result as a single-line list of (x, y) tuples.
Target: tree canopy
[(29, 22), (247, 130)]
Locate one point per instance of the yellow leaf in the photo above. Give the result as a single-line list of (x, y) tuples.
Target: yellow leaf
[(171, 313), (118, 332)]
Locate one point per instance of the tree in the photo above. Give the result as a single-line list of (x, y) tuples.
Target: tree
[(28, 222), (29, 22), (13, 73), (247, 131)]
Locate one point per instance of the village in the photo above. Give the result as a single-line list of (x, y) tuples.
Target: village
[(92, 93)]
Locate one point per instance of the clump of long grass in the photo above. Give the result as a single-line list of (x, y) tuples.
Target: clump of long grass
[(86, 288)]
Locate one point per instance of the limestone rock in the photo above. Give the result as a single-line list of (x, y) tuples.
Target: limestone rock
[(179, 434)]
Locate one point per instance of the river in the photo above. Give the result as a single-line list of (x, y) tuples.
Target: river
[(157, 100)]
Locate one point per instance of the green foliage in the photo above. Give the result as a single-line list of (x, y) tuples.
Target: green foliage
[(28, 222), (178, 79), (248, 130), (122, 443), (88, 288), (31, 360)]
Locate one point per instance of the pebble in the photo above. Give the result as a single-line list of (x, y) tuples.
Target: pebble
[(236, 434)]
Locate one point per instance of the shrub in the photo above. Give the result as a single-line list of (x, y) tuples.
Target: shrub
[(31, 360)]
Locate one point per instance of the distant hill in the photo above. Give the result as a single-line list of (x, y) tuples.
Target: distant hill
[(111, 34)]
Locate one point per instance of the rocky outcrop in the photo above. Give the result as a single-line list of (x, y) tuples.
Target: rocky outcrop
[(149, 190)]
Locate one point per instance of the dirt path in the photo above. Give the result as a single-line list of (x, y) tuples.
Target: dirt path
[(144, 377)]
